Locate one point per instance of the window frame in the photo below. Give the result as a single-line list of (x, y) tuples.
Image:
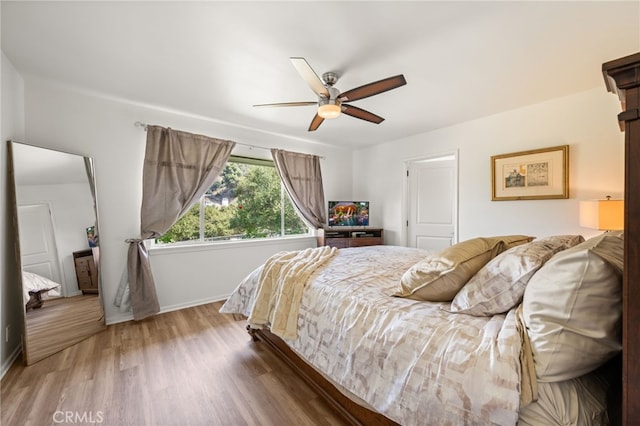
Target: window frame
[(201, 241)]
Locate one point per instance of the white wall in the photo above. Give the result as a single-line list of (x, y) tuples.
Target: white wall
[(82, 123), (216, 270), (585, 121), (11, 127)]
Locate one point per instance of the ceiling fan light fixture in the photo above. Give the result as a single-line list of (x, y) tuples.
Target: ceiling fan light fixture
[(330, 99), (329, 110)]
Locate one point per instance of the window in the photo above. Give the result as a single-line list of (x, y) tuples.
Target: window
[(246, 201)]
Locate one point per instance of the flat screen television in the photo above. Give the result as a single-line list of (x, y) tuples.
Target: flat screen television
[(348, 213)]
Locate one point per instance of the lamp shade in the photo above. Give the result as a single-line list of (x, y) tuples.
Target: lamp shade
[(605, 215)]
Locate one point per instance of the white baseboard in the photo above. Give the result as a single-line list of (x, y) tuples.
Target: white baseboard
[(9, 362), (192, 303), (128, 316), (123, 317)]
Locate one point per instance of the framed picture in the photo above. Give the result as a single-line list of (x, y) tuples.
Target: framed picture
[(539, 174)]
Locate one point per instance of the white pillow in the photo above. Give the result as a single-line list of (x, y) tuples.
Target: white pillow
[(572, 309), (500, 284)]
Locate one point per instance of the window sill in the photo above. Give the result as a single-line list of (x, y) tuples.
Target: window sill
[(159, 250)]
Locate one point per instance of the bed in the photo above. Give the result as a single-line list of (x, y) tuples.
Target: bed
[(36, 289), (364, 324), (514, 376)]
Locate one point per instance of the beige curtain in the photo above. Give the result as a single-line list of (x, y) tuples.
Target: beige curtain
[(178, 168), (302, 178)]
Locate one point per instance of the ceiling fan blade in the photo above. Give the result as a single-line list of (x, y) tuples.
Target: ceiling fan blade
[(372, 88), (310, 76), (361, 114), (315, 123), (287, 104)]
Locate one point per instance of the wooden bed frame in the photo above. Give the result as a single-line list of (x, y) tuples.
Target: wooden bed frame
[(352, 412), (622, 76), (35, 300)]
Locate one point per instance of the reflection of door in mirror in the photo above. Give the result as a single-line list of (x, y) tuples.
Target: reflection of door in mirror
[(58, 247)]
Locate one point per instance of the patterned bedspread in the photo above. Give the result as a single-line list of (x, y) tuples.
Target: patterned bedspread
[(409, 360)]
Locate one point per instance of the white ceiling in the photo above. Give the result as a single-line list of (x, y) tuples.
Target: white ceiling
[(212, 59)]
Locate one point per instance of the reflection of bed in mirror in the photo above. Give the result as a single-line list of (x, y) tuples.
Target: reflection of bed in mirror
[(58, 248), (36, 289)]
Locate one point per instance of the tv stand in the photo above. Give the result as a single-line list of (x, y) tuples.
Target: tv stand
[(350, 237)]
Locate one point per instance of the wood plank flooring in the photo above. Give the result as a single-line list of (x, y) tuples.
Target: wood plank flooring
[(189, 367), (60, 323)]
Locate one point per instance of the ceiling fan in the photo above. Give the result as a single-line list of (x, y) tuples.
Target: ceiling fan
[(331, 102)]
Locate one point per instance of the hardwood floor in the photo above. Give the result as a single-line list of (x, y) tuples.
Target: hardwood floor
[(189, 367), (61, 323)]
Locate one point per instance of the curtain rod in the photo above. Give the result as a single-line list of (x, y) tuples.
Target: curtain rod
[(144, 127)]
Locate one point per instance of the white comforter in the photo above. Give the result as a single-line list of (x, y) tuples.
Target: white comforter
[(34, 282), (409, 360)]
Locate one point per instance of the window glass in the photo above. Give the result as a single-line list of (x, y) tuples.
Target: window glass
[(246, 201)]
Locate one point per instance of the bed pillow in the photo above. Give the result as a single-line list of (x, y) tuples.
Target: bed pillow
[(572, 309), (500, 284), (439, 276), (515, 240)]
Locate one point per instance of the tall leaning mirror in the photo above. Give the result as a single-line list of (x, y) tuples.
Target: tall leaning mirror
[(57, 248)]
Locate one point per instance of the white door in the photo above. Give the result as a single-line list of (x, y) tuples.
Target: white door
[(432, 192), (38, 242)]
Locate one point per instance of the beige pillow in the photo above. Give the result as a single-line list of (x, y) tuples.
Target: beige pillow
[(515, 240), (611, 250), (438, 277), (572, 309), (500, 284)]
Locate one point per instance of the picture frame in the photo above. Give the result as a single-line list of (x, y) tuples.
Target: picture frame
[(538, 174)]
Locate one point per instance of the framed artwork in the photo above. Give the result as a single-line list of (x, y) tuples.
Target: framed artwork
[(539, 174)]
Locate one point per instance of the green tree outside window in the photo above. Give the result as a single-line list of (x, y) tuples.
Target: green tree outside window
[(246, 201)]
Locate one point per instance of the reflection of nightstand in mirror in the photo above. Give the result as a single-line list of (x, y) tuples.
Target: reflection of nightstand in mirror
[(86, 263)]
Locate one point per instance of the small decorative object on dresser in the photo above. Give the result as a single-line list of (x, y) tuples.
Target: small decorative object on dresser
[(86, 263), (350, 237)]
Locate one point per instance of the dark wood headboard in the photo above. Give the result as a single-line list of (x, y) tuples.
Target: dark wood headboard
[(622, 76)]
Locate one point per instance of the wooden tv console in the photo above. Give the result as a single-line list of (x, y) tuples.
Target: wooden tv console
[(350, 237)]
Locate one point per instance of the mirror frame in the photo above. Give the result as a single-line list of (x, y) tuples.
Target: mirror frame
[(69, 336)]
